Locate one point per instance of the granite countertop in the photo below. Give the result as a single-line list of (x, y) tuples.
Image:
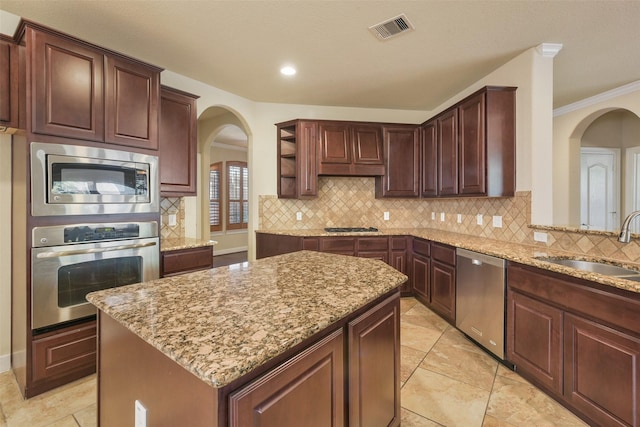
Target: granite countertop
[(518, 252), (222, 323), (174, 244)]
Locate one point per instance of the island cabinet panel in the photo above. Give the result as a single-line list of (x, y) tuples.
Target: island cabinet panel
[(308, 387), (401, 163), (374, 366), (185, 260), (177, 141), (9, 81), (132, 94), (66, 79), (130, 369), (602, 372)]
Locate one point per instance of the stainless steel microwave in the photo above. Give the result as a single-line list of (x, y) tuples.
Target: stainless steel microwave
[(79, 180)]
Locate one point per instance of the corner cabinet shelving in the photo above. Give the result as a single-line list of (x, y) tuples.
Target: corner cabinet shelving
[(297, 166)]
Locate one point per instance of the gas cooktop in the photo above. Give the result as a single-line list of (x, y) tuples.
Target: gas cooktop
[(349, 229)]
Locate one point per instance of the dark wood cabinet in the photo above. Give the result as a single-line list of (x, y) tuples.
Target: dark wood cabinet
[(401, 162), (339, 245), (9, 83), (472, 142), (534, 339), (400, 259), (182, 261), (443, 281), (447, 135), (374, 366), (62, 356), (82, 91), (348, 148), (602, 372), (421, 270), (297, 159), (578, 340), (177, 141), (429, 159), (308, 387), (66, 79)]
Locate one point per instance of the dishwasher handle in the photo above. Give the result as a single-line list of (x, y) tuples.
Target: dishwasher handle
[(479, 259)]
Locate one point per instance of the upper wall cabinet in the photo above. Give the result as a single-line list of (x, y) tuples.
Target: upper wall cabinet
[(401, 161), (177, 143), (9, 76), (350, 149), (297, 159), (78, 90), (475, 147)]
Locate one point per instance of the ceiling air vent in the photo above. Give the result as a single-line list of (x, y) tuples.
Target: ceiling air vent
[(392, 27)]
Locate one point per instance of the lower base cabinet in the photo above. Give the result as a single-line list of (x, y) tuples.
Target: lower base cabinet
[(182, 261), (578, 342)]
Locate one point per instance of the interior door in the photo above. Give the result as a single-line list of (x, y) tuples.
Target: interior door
[(632, 185), (599, 188)]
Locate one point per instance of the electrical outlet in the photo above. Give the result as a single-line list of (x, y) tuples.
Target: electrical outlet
[(385, 216), (172, 220), (459, 219), (298, 216), (479, 219), (497, 221), (540, 237), (433, 215), (140, 415), (441, 216)]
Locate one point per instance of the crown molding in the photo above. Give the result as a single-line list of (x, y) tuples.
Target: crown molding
[(601, 97), (549, 50)]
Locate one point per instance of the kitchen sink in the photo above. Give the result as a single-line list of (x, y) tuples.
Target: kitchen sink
[(595, 267)]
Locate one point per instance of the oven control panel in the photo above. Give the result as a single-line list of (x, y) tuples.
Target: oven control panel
[(61, 235)]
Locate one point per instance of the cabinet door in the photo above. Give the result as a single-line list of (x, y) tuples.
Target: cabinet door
[(399, 259), (132, 96), (534, 340), (335, 146), (8, 84), (421, 275), (374, 366), (367, 145), (309, 387), (338, 245), (602, 372), (402, 163), (471, 116), (447, 135), (429, 160), (66, 79), (177, 143), (306, 160), (443, 290)]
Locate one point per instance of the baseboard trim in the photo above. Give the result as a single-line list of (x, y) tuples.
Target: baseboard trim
[(5, 362)]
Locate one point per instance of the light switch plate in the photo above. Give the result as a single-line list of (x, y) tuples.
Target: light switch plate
[(433, 215), (459, 218), (441, 216), (172, 220), (298, 216), (497, 221), (385, 216), (479, 219)]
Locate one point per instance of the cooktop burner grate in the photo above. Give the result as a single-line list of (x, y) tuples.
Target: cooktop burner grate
[(349, 229)]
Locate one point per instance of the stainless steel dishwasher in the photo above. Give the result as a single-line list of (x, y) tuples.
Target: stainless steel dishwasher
[(480, 302)]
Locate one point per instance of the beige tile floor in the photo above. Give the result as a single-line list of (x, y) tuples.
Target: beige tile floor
[(446, 381)]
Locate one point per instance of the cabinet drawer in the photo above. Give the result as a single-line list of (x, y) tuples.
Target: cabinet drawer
[(445, 254), (373, 244), (399, 243), (422, 247), (186, 260), (60, 353), (338, 244)]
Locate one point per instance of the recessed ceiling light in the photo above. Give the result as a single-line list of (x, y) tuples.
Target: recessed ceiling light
[(288, 70)]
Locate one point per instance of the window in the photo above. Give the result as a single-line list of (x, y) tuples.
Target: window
[(215, 216), (237, 195)]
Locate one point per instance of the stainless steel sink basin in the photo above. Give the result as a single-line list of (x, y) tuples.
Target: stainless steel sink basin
[(595, 267)]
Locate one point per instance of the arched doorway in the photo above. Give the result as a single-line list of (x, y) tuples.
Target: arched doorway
[(223, 145)]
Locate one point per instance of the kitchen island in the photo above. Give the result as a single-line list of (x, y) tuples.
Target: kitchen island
[(280, 340)]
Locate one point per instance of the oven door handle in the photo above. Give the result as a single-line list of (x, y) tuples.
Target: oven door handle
[(59, 254)]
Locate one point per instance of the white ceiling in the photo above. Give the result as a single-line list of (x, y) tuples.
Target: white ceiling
[(239, 46)]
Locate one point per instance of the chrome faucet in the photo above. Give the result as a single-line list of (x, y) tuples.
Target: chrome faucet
[(625, 234)]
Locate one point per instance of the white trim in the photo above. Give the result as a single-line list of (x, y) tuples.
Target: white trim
[(549, 50), (601, 97), (5, 362), (230, 251)]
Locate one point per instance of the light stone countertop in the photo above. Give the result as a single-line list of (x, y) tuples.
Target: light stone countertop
[(518, 252), (174, 244), (222, 323)]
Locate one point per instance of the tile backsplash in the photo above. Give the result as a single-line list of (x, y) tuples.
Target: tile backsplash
[(351, 202), (172, 205)]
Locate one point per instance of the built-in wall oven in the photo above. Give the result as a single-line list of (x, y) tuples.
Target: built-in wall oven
[(79, 180), (69, 261)]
